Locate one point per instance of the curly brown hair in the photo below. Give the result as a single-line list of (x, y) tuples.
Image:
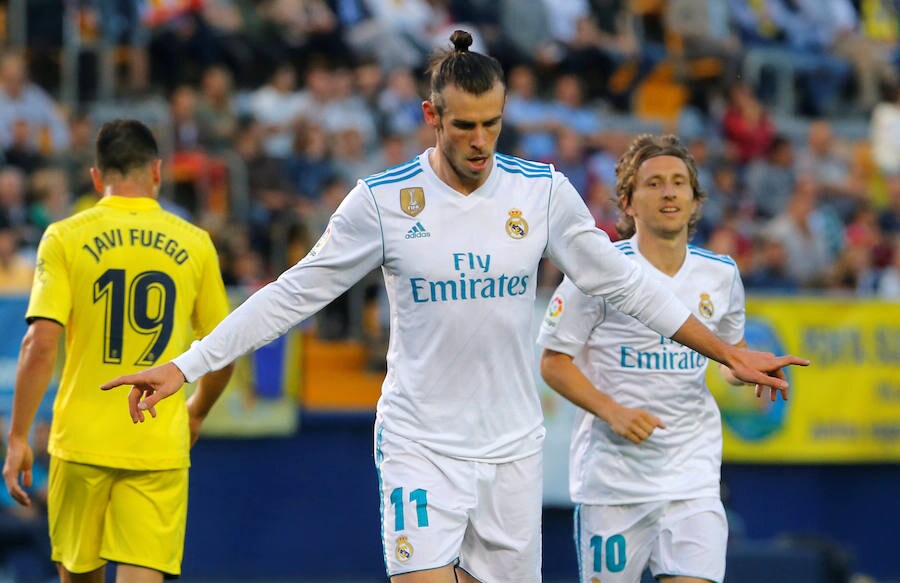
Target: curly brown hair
[(643, 148)]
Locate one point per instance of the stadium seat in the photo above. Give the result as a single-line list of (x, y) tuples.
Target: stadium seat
[(660, 97)]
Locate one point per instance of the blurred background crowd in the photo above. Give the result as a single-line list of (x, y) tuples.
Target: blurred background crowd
[(270, 110)]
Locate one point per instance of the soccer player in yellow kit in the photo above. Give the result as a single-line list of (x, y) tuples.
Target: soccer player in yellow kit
[(131, 285)]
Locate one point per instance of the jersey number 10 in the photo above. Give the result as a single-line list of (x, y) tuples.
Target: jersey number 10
[(148, 304)]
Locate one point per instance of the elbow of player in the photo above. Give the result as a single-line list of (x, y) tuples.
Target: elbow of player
[(223, 375), (551, 368), (39, 345), (228, 370)]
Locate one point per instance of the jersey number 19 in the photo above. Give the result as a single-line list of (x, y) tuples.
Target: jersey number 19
[(147, 302)]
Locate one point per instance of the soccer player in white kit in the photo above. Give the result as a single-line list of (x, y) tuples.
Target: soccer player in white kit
[(646, 446), (458, 233)]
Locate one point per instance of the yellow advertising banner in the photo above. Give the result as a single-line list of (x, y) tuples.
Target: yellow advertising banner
[(845, 407)]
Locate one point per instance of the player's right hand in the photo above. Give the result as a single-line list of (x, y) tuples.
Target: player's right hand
[(195, 420), (764, 370), (635, 425), (148, 388), (19, 458)]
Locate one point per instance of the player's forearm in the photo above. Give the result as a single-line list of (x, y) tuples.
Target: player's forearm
[(695, 335), (36, 360), (297, 294), (727, 374), (209, 389), (561, 374)]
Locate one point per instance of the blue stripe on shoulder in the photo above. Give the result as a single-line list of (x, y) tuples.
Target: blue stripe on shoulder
[(392, 179), (523, 171), (703, 251), (524, 163), (699, 249), (393, 171), (720, 258), (545, 170)]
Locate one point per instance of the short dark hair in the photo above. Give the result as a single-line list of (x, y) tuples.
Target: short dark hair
[(472, 72), (124, 145), (644, 147)]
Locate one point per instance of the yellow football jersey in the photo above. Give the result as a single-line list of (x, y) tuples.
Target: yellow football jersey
[(133, 285)]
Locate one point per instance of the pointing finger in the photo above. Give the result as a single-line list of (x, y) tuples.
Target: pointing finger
[(118, 382), (790, 359)]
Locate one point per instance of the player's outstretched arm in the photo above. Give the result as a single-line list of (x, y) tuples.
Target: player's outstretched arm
[(561, 374), (762, 369), (148, 388)]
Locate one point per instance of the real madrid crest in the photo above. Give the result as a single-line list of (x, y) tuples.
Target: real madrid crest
[(404, 550), (706, 306), (412, 200), (516, 226)]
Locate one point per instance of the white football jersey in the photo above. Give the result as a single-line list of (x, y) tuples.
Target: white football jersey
[(638, 367), (460, 273)]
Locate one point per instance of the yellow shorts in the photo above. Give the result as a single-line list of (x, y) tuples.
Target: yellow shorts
[(99, 514)]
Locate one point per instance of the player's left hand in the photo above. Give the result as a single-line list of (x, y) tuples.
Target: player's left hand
[(148, 387), (19, 460), (764, 370), (634, 424)]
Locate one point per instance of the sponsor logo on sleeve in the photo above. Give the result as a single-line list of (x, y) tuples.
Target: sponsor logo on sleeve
[(321, 242), (554, 313)]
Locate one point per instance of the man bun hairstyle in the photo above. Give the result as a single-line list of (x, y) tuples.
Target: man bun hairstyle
[(644, 147), (471, 71), (124, 145), (461, 40)]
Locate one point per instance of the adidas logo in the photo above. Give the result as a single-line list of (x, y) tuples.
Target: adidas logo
[(417, 232)]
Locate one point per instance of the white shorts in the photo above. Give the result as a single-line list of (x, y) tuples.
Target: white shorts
[(437, 510), (685, 538)]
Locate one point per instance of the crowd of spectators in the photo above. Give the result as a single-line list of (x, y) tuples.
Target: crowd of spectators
[(274, 108), (270, 110)]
